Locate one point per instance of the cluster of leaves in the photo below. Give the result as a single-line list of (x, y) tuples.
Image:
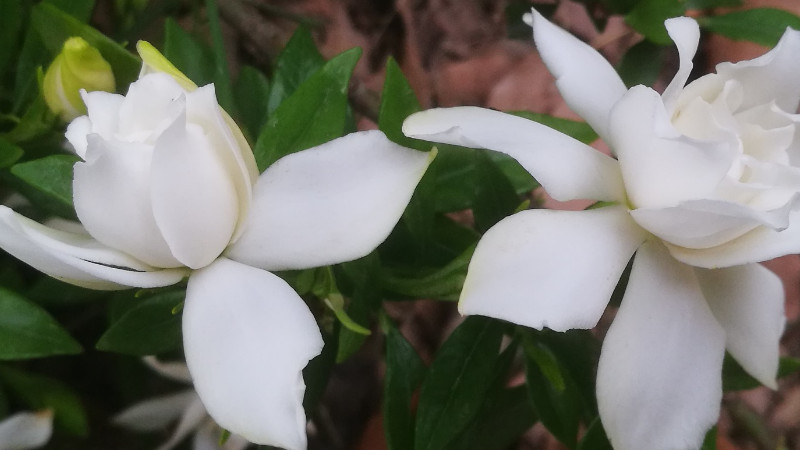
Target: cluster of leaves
[(489, 381)]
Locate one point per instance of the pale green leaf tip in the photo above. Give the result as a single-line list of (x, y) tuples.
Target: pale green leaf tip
[(345, 320)]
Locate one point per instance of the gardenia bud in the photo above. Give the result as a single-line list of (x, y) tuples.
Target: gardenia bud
[(78, 66)]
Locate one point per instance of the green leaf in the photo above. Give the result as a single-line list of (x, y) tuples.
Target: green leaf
[(735, 378), (55, 26), (642, 64), (297, 62), (9, 153), (148, 328), (595, 438), (10, 26), (38, 392), (51, 181), (361, 280), (763, 26), (188, 54), (708, 4), (28, 331), (314, 114), (445, 283), (457, 382), (495, 196), (222, 76), (79, 9), (251, 92), (404, 372), (648, 17), (710, 442)]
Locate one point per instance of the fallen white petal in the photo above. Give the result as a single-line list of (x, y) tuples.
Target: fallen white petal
[(329, 204), (191, 420), (659, 383), (247, 336), (588, 83), (568, 169), (748, 301), (525, 268), (155, 413), (76, 258), (193, 195), (26, 430)]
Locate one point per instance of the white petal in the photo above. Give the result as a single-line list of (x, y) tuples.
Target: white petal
[(662, 168), (103, 111), (770, 77), (155, 413), (174, 370), (329, 204), (76, 133), (247, 336), (708, 223), (758, 245), (588, 83), (153, 102), (685, 32), (568, 169), (194, 199), (26, 430), (525, 268), (76, 258), (748, 301), (659, 381), (229, 143), (191, 419)]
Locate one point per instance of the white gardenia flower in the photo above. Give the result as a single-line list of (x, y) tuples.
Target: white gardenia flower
[(168, 188), (704, 186)]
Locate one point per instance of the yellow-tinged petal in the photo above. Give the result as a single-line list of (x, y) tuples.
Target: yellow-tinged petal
[(153, 62)]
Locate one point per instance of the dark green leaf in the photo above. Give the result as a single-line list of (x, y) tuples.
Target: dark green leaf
[(648, 17), (9, 153), (79, 9), (222, 76), (318, 371), (28, 331), (11, 20), (708, 4), (445, 283), (38, 392), (735, 378), (495, 196), (595, 438), (457, 382), (297, 62), (710, 442), (763, 26), (642, 64), (51, 178), (54, 27), (188, 54), (404, 372), (502, 419), (363, 276), (314, 114), (148, 328), (251, 92)]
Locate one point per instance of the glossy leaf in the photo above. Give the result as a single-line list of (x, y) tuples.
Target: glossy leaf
[(763, 26), (445, 283), (49, 181), (457, 382), (404, 373), (595, 437), (149, 328), (28, 331), (251, 92), (297, 62), (495, 196), (648, 17), (9, 153), (187, 54), (362, 277), (314, 114), (642, 64)]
